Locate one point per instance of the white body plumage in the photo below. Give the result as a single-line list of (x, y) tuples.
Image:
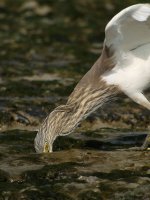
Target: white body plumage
[(128, 35)]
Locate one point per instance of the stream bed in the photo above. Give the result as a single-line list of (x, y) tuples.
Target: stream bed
[(45, 49)]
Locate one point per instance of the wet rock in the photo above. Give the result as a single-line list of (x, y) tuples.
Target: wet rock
[(6, 118), (38, 9), (138, 193), (21, 119), (4, 177), (43, 53), (90, 195)]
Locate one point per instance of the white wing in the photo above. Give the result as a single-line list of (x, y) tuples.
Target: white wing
[(128, 37), (129, 29)]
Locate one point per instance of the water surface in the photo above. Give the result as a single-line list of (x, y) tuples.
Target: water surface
[(46, 47)]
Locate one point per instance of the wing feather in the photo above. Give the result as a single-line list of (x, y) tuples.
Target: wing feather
[(129, 29)]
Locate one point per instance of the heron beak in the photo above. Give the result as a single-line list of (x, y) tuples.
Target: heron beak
[(47, 148)]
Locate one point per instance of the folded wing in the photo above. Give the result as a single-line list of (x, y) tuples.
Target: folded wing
[(129, 29)]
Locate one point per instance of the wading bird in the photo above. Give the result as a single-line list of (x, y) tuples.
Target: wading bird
[(124, 66)]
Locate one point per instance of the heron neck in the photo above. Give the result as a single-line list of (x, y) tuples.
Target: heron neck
[(87, 100)]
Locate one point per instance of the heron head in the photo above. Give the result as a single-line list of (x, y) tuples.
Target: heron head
[(58, 123)]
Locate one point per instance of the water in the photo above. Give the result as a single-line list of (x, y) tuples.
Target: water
[(46, 47), (95, 166)]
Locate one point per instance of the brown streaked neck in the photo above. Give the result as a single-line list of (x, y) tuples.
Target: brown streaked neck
[(86, 100), (92, 92)]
